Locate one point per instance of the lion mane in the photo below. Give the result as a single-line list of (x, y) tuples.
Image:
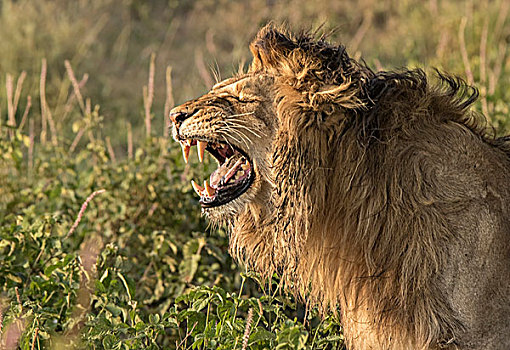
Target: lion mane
[(389, 200)]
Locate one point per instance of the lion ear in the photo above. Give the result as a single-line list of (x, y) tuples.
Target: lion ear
[(268, 47)]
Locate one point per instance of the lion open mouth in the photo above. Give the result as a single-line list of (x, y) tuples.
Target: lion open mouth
[(232, 178)]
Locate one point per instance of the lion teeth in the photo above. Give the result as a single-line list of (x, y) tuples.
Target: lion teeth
[(185, 152), (201, 145), (233, 170), (198, 189), (245, 166), (208, 189)]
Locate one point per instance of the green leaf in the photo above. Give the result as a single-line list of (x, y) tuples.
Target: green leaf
[(14, 278), (114, 309), (154, 318)]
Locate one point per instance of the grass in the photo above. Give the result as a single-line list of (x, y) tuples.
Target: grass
[(101, 241)]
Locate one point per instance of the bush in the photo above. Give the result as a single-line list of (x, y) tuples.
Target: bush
[(105, 253)]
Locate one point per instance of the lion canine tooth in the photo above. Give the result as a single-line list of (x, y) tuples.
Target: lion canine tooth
[(185, 152), (198, 189), (208, 189), (201, 145), (245, 166)]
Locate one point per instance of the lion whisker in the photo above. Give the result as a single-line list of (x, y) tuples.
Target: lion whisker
[(241, 135), (247, 129), (227, 141), (241, 128), (240, 114), (224, 136), (231, 130), (240, 124)]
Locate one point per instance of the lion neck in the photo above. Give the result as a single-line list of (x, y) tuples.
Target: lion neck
[(335, 233)]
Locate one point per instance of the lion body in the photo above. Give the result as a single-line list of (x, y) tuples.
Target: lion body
[(379, 193)]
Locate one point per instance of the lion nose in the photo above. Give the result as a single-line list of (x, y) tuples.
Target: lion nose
[(178, 116)]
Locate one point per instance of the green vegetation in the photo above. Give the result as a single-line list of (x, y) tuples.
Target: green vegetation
[(135, 266)]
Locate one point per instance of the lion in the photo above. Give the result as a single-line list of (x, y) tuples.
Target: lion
[(377, 195)]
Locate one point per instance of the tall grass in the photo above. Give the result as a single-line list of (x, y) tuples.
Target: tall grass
[(113, 41)]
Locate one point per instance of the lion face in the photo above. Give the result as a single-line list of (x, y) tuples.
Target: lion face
[(266, 127), (235, 123)]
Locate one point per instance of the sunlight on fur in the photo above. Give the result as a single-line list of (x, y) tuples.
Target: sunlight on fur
[(379, 194)]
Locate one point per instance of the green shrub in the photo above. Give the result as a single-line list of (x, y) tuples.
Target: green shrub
[(101, 253)]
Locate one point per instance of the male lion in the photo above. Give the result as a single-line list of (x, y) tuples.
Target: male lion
[(375, 192)]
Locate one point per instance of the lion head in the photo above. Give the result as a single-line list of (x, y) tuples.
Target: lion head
[(250, 122), (340, 180)]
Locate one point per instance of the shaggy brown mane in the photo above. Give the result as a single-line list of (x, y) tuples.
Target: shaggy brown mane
[(386, 88), (371, 254), (375, 194)]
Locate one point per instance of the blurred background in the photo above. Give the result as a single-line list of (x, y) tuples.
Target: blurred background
[(102, 245), (112, 41)]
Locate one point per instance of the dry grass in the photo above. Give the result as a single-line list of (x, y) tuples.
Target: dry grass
[(82, 211), (148, 96)]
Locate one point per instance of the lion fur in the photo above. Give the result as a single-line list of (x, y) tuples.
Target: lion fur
[(381, 186)]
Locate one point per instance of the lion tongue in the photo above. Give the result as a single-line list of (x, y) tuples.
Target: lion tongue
[(216, 176)]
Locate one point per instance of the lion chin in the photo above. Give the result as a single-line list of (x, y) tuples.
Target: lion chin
[(379, 194)]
